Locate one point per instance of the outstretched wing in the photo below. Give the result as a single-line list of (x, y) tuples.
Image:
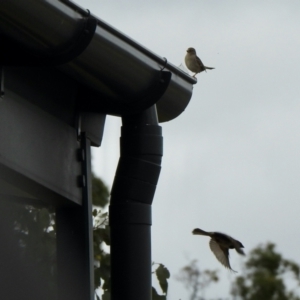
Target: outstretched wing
[(221, 253)]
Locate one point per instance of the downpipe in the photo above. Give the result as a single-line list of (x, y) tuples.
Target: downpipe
[(141, 146)]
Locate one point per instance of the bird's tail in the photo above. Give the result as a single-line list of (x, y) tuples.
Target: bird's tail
[(200, 232), (209, 68)]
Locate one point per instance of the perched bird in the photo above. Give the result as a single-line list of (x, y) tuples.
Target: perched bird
[(194, 63), (220, 244)]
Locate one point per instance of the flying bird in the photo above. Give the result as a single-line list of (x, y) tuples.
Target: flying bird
[(194, 63), (220, 244)]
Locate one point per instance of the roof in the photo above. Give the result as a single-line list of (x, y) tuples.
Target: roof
[(118, 75)]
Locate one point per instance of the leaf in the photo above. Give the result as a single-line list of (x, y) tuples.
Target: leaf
[(104, 271), (104, 215), (156, 296), (162, 274), (97, 277), (102, 235), (95, 212), (106, 235), (106, 296)]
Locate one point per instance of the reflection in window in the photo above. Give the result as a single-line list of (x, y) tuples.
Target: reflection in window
[(28, 249)]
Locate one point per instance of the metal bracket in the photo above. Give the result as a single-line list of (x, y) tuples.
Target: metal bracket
[(153, 94), (92, 124), (165, 63)]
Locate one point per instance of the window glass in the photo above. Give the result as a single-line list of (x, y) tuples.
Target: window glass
[(28, 246)]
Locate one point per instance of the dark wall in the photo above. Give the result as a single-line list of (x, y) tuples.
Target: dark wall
[(39, 147)]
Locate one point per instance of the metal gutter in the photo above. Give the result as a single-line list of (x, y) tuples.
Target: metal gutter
[(116, 72)]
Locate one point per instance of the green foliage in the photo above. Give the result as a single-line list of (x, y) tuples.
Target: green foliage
[(101, 238), (33, 228), (156, 296), (162, 274), (36, 232), (100, 192), (195, 280), (264, 276)]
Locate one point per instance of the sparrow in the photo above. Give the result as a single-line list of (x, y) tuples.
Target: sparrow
[(194, 63), (219, 244)]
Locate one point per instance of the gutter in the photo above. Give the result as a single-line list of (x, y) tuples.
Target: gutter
[(115, 72)]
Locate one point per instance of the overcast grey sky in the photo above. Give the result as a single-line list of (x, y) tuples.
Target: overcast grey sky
[(231, 160)]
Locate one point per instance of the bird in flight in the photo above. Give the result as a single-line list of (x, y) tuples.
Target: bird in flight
[(220, 244), (194, 63)]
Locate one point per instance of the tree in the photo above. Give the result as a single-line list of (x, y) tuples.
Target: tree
[(28, 252), (196, 280), (264, 276)]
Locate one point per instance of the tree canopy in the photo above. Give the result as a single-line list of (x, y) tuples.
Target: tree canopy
[(265, 276), (195, 280)]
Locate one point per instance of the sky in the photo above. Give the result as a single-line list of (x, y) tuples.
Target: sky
[(231, 160)]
